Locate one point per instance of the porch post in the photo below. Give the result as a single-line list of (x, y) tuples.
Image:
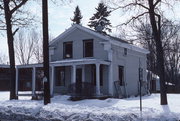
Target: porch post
[(110, 56), (83, 73), (52, 80), (97, 79), (17, 80), (110, 77), (33, 81), (73, 79)]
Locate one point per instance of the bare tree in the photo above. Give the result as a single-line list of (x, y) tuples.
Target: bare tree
[(139, 8), (144, 36), (172, 60), (170, 41), (25, 45), (28, 46), (38, 51), (11, 9)]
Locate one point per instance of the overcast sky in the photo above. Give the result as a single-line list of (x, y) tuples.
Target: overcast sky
[(59, 16)]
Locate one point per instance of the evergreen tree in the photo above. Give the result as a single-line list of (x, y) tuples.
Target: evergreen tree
[(77, 16), (100, 18)]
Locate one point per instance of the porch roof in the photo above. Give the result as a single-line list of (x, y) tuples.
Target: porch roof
[(30, 65), (79, 62), (4, 66), (68, 62)]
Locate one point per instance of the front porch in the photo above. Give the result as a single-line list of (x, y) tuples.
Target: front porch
[(78, 72), (65, 73)]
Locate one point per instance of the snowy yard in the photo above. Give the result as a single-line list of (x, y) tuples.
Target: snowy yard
[(110, 109)]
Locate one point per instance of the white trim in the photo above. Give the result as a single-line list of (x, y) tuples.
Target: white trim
[(98, 79), (52, 80), (29, 66), (130, 47), (17, 80), (78, 62), (73, 74), (68, 62), (83, 73), (33, 80), (65, 33)]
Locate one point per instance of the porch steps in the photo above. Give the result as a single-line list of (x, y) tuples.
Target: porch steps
[(30, 94), (100, 97), (24, 94)]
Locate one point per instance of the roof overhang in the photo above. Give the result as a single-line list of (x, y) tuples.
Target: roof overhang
[(4, 66), (68, 62), (130, 46), (79, 62), (30, 65)]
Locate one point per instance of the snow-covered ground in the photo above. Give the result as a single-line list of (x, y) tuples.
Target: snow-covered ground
[(110, 109)]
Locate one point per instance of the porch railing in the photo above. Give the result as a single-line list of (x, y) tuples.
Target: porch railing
[(84, 90)]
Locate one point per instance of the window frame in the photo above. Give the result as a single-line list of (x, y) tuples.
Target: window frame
[(64, 49), (84, 48), (121, 81), (125, 51)]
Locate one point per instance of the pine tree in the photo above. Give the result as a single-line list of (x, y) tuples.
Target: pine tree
[(99, 17), (77, 16)]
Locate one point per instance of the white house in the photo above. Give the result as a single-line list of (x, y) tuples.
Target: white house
[(80, 55)]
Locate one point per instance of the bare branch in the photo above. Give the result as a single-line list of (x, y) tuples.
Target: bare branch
[(18, 6), (15, 31), (14, 2), (134, 18), (129, 5), (1, 7), (158, 1)]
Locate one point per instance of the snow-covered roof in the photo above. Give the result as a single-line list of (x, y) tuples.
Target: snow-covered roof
[(4, 66), (80, 61), (30, 65), (112, 40), (68, 62)]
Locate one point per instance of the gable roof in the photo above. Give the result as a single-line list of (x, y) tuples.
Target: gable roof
[(111, 39), (76, 26)]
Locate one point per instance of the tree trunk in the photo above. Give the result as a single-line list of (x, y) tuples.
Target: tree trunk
[(159, 50), (10, 39), (46, 52)]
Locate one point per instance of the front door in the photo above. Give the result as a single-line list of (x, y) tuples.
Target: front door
[(78, 80)]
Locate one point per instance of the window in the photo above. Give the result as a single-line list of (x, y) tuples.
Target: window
[(121, 75), (88, 48), (67, 46), (125, 51), (60, 76)]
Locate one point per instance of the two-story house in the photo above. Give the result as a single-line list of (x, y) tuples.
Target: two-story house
[(81, 55)]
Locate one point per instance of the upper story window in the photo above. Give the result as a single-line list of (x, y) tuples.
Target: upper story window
[(68, 51), (88, 48), (125, 51)]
